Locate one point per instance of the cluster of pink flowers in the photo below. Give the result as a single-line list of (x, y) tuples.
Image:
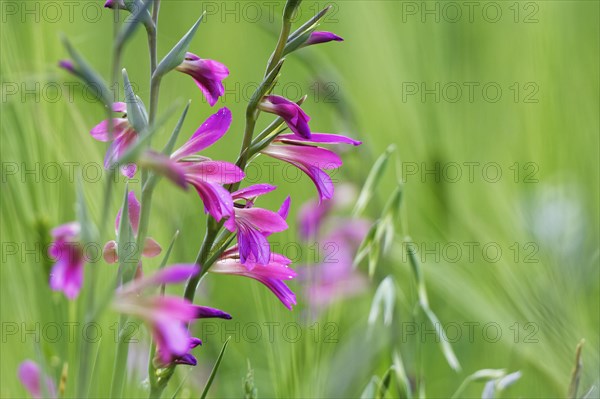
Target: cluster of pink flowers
[(168, 317)]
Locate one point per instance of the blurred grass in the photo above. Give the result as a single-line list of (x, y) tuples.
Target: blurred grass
[(382, 52)]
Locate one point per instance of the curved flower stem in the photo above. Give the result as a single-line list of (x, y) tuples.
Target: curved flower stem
[(116, 389)]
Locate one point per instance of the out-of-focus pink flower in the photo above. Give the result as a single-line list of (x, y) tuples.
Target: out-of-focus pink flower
[(207, 74), (123, 136), (312, 160), (166, 316), (296, 119), (151, 247), (67, 273), (31, 377), (335, 277), (253, 225)]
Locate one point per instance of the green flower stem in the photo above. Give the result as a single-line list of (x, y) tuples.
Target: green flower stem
[(116, 389)]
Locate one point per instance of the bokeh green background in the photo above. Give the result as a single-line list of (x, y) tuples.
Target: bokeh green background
[(544, 57)]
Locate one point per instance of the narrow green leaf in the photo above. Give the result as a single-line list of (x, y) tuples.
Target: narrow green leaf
[(96, 84), (88, 230), (372, 181), (165, 259), (177, 54), (370, 389), (403, 381), (311, 24), (444, 343), (126, 245), (479, 376), (385, 384), (173, 139), (213, 373)]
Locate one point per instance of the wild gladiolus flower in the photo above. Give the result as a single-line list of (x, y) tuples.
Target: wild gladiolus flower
[(122, 137), (31, 377), (151, 247), (312, 160), (166, 316), (208, 176), (253, 225), (207, 74), (67, 273), (290, 112), (318, 37), (272, 274)]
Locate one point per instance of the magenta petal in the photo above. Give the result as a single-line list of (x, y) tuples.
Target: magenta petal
[(187, 359), (174, 274), (322, 37), (67, 65), (172, 338), (270, 275), (194, 342), (209, 133), (207, 74), (318, 157), (217, 200), (310, 217), (285, 208), (260, 219), (321, 138), (67, 273), (296, 119), (213, 172), (100, 131), (254, 247), (253, 191), (204, 312), (119, 146)]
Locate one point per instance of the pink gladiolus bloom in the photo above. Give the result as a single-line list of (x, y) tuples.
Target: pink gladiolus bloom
[(66, 250), (207, 74), (253, 225), (151, 247), (318, 37), (166, 316), (205, 175), (31, 377), (290, 112), (312, 160), (122, 137), (271, 274)]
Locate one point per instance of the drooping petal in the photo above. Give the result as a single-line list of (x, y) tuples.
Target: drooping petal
[(208, 75), (311, 160), (101, 131), (217, 200), (119, 146), (209, 133), (172, 339), (270, 275), (296, 119), (318, 37), (321, 158), (263, 220), (320, 138), (151, 248), (254, 246)]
